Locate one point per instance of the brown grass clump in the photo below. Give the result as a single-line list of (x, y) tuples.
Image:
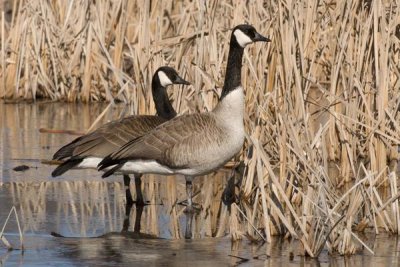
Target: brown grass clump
[(322, 99)]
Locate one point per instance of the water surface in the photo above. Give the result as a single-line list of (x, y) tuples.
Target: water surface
[(88, 214)]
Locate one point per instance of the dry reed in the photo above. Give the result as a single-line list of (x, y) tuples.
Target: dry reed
[(322, 100), (21, 236)]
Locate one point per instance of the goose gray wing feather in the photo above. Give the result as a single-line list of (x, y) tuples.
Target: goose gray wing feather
[(110, 136), (176, 143)]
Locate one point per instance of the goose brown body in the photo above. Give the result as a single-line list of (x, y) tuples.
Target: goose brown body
[(191, 145)]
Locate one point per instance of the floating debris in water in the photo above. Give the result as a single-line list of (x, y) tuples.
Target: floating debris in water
[(21, 168)]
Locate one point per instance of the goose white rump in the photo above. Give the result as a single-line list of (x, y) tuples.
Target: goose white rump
[(89, 163), (130, 167)]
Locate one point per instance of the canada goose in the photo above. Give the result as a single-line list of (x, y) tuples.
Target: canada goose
[(88, 150), (194, 144)]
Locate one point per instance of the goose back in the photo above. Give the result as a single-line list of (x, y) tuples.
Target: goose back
[(110, 137)]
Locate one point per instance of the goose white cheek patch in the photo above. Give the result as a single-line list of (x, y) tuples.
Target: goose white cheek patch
[(164, 80), (242, 38)]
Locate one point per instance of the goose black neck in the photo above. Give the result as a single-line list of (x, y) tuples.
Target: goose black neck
[(163, 104), (233, 75)]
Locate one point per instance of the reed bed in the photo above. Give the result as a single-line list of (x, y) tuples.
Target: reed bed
[(322, 99)]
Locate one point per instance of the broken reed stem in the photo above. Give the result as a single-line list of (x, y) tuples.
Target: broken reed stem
[(252, 225), (21, 237)]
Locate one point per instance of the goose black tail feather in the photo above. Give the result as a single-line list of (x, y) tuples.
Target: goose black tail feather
[(65, 166), (107, 162), (67, 150), (113, 169)]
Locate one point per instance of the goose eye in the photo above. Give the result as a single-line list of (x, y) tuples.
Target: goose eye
[(251, 34)]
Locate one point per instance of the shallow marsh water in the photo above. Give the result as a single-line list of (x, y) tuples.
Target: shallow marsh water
[(90, 212)]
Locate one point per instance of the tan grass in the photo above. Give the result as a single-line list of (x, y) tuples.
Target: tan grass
[(322, 100)]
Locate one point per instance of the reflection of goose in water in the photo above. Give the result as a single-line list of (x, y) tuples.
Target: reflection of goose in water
[(126, 249), (136, 233), (137, 226), (176, 223)]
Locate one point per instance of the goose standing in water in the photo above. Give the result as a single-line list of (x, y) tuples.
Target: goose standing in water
[(88, 150), (194, 144)]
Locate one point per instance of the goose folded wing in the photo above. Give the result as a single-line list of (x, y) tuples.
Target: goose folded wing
[(169, 143), (111, 136)]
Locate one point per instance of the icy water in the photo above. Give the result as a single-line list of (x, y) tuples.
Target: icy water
[(79, 219)]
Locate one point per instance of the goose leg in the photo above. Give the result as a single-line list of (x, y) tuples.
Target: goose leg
[(129, 200), (189, 223), (138, 188), (139, 212), (189, 193), (128, 209), (190, 206), (129, 203)]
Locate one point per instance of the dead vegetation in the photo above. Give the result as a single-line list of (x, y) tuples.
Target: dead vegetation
[(322, 99)]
